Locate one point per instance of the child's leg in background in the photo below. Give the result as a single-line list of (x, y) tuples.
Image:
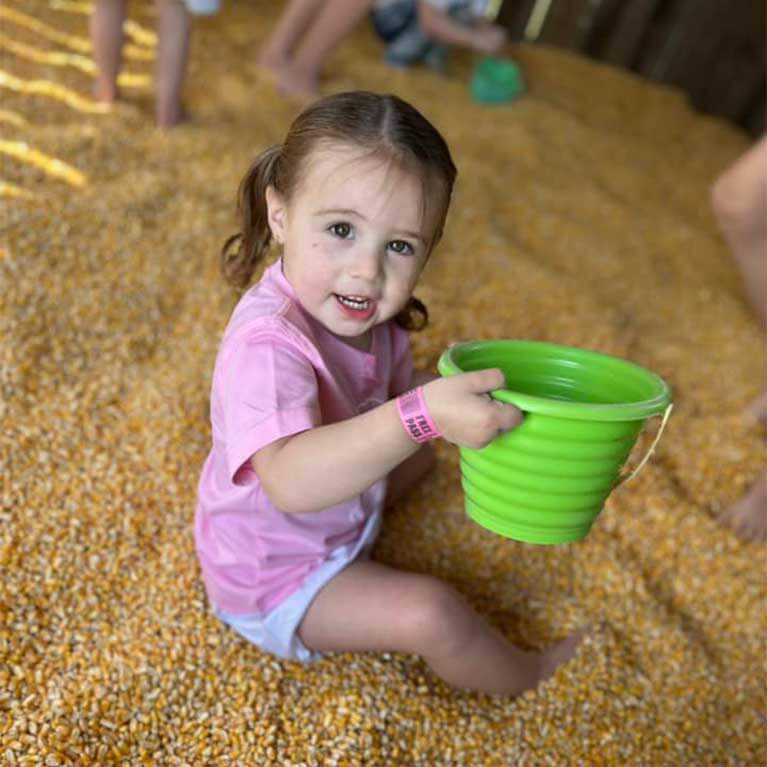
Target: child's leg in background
[(299, 79), (372, 607), (739, 199), (106, 27), (294, 21), (173, 28)]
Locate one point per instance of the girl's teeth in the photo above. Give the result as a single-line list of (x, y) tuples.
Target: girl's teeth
[(354, 303)]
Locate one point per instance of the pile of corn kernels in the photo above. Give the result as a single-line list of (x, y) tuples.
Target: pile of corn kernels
[(581, 217)]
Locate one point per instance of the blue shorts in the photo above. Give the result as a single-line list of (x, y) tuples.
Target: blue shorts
[(277, 631), (396, 23), (397, 26)]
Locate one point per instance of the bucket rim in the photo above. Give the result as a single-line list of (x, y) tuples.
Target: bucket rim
[(586, 411)]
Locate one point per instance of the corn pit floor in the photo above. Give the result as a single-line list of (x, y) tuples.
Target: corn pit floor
[(581, 217)]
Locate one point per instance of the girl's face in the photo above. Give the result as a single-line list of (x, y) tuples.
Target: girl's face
[(355, 238)]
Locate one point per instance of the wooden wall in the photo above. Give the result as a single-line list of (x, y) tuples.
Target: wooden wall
[(715, 50)]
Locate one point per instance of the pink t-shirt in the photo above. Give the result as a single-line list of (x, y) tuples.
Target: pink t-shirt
[(279, 372)]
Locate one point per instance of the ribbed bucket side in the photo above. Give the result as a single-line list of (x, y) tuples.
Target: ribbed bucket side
[(547, 480)]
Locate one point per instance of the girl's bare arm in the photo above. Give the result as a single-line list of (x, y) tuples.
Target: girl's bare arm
[(329, 464), (482, 36)]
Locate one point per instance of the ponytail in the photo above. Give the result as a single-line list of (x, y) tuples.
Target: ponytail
[(243, 251), (414, 316)]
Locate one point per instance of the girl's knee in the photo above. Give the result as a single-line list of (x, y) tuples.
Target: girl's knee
[(437, 617)]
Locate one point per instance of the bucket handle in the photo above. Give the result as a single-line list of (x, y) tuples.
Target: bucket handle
[(627, 477)]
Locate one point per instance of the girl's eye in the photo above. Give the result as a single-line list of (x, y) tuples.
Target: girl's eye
[(402, 247), (341, 230)]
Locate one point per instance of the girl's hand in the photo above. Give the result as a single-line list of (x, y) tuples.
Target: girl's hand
[(463, 411)]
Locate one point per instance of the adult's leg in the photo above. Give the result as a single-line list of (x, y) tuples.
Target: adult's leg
[(372, 607), (173, 30), (106, 28)]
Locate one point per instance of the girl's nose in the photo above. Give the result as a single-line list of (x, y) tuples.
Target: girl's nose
[(366, 265)]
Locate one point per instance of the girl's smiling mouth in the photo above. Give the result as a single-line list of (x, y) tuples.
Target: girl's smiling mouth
[(356, 307)]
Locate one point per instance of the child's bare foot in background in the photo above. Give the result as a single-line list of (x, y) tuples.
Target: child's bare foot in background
[(105, 91), (270, 62), (757, 410), (563, 651), (748, 515), (289, 82), (297, 86), (170, 116)]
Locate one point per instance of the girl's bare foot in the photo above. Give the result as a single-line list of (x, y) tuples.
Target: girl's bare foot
[(748, 516), (561, 652)]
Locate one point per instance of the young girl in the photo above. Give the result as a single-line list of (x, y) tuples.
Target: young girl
[(315, 420)]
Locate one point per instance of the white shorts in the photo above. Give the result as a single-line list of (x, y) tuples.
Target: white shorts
[(277, 631), (202, 7)]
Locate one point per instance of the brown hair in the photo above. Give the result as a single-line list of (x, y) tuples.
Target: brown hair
[(383, 124)]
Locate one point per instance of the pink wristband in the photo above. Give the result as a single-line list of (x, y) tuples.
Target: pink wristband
[(415, 416)]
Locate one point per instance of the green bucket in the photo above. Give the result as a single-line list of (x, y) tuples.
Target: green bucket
[(547, 480)]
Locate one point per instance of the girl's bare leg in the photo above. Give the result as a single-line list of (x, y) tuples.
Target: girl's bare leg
[(291, 25), (106, 27), (299, 78), (173, 29), (372, 607)]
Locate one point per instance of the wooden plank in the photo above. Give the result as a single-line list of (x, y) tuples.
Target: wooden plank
[(514, 16), (625, 40), (568, 23), (715, 51), (755, 118)]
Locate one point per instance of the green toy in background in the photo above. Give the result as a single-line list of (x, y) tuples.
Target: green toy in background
[(547, 480), (496, 81)]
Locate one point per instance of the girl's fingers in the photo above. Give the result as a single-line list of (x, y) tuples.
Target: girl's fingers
[(483, 381), (510, 416)]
